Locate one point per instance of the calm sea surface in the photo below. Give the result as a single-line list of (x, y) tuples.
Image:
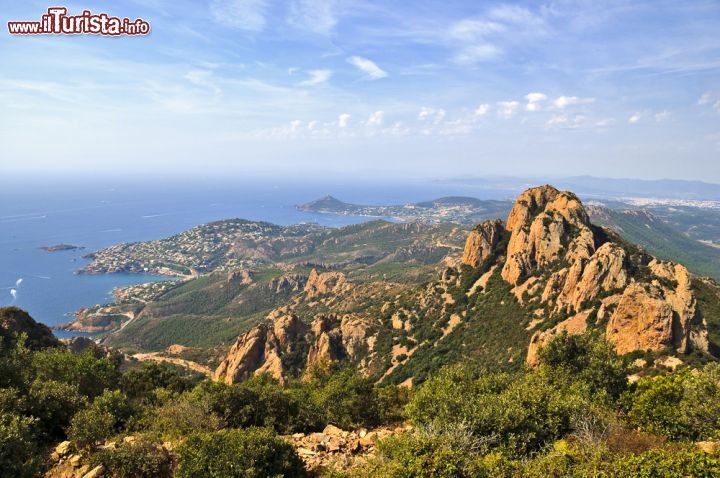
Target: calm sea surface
[(36, 213)]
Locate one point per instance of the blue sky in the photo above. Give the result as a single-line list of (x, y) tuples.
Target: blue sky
[(392, 88)]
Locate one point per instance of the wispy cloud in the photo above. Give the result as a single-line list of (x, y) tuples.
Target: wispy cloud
[(313, 15), (248, 15), (371, 70), (635, 118), (317, 78)]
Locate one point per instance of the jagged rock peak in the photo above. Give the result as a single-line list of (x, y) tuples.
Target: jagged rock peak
[(546, 225), (546, 199), (482, 241), (253, 353), (325, 283)]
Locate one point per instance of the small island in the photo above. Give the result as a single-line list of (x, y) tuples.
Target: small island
[(61, 247)]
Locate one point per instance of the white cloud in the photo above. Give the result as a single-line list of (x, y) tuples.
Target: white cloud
[(343, 120), (635, 117), (314, 15), (248, 15), (506, 109), (473, 30), (482, 110), (295, 125), (516, 15), (368, 67), (312, 125), (431, 114), (534, 100), (317, 78), (476, 53), (662, 115), (565, 101), (376, 119)]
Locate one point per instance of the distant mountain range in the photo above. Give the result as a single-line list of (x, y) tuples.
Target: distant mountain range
[(585, 186)]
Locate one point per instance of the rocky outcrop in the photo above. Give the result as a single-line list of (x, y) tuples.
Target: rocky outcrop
[(337, 449), (324, 283), (556, 258), (264, 348), (254, 353), (288, 283), (543, 223), (482, 241), (658, 315), (642, 321), (575, 325)]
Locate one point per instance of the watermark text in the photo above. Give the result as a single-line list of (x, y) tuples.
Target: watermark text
[(57, 22)]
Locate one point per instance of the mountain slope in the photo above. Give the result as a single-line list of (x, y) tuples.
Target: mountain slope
[(663, 240), (547, 270)]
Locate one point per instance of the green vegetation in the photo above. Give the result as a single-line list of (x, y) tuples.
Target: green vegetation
[(574, 415), (248, 453)]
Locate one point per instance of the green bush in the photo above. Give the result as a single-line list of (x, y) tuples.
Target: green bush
[(520, 413), (143, 458), (54, 404), (90, 427), (701, 403), (182, 416), (248, 453), (654, 406), (428, 453), (139, 383), (260, 402), (587, 359), (346, 399), (18, 449), (91, 375)]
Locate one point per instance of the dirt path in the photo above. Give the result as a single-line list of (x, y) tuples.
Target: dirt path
[(154, 357)]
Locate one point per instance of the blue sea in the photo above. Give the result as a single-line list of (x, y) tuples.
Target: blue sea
[(95, 213)]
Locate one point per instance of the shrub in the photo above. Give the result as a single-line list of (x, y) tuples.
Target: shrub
[(663, 463), (139, 383), (54, 404), (429, 452), (521, 412), (700, 404), (18, 452), (182, 416), (143, 458), (587, 359), (248, 453), (654, 406), (346, 399), (91, 375), (260, 402), (90, 427)]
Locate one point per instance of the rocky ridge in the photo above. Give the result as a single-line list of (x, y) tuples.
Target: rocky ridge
[(563, 273)]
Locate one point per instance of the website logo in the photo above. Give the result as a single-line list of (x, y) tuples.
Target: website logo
[(57, 22)]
